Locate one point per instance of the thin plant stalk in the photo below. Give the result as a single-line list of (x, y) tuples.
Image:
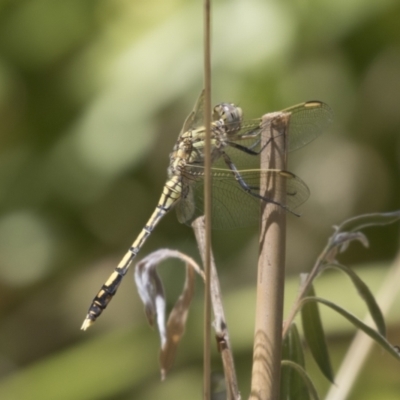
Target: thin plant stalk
[(265, 379), (220, 325), (207, 199)]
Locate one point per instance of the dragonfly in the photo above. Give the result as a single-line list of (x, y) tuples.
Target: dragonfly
[(236, 144)]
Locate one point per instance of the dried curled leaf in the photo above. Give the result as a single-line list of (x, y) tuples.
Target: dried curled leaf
[(349, 230), (151, 291)]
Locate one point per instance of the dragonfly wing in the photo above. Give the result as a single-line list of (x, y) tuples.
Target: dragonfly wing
[(307, 121), (186, 208), (233, 207), (195, 118)]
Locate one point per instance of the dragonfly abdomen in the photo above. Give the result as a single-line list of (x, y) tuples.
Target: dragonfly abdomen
[(171, 194)]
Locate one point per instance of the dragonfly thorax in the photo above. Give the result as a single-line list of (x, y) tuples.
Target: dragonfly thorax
[(182, 153)]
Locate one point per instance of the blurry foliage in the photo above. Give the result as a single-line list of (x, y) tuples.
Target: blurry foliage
[(92, 97)]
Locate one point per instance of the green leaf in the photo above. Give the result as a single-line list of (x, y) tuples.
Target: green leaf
[(372, 333), (292, 384), (292, 346), (367, 220), (315, 336), (366, 294), (286, 364)]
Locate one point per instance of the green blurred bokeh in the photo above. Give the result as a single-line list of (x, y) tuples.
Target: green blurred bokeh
[(92, 97)]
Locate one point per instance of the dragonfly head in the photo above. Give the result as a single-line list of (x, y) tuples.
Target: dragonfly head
[(229, 114)]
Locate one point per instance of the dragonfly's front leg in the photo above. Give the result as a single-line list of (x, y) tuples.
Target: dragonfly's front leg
[(249, 150)]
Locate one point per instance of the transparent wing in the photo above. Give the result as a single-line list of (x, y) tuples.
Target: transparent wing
[(307, 121), (195, 118), (232, 206)]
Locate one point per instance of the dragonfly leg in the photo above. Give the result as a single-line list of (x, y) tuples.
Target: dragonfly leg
[(252, 190), (249, 150)]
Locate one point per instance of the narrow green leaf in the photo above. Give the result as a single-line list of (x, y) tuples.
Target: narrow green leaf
[(292, 346), (366, 294), (286, 364), (292, 385), (372, 333), (366, 220), (315, 336)]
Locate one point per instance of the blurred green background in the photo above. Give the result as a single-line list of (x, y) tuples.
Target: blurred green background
[(92, 97)]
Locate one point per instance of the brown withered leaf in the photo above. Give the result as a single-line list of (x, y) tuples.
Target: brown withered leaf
[(151, 291)]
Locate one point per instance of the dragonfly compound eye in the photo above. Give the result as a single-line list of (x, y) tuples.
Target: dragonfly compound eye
[(228, 113)]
